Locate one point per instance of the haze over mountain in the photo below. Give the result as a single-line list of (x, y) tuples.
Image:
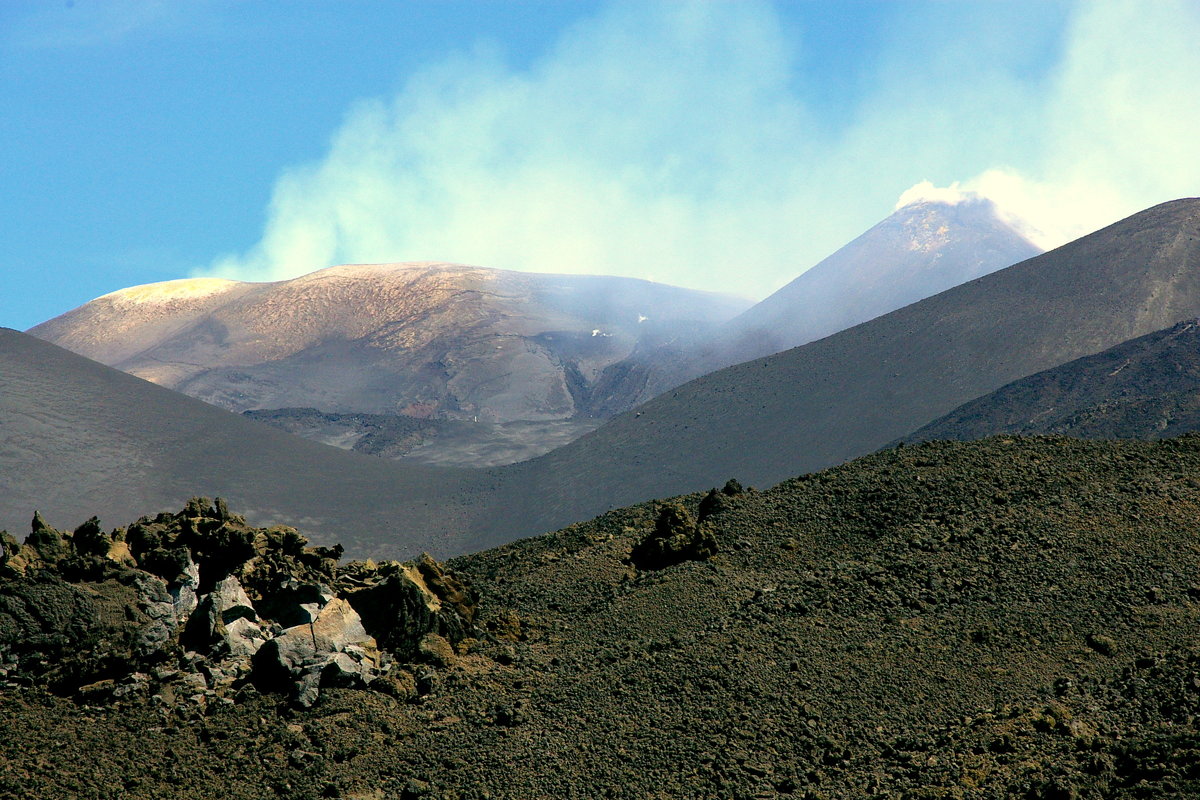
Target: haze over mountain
[(926, 246), (932, 242), (423, 339), (86, 430), (1146, 388), (855, 391)]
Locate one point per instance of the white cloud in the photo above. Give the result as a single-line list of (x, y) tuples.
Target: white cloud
[(1048, 215), (926, 192), (620, 152), (1118, 130), (667, 140)]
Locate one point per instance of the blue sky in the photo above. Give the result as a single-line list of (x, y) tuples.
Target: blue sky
[(721, 145)]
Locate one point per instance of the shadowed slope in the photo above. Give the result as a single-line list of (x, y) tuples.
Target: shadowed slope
[(79, 438), (1146, 388)]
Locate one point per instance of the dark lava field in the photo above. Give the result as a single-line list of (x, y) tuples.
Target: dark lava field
[(1013, 617)]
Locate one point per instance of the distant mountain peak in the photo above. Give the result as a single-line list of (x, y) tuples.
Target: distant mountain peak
[(925, 194), (937, 238)]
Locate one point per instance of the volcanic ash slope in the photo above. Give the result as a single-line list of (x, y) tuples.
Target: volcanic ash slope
[(1004, 618), (1145, 388)]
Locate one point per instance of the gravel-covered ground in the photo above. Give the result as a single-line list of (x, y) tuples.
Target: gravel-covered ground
[(1014, 617)]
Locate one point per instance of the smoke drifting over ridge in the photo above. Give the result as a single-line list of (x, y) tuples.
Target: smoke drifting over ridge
[(674, 141)]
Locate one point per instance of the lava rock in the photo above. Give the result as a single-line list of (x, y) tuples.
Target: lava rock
[(412, 600), (676, 537), (334, 644)]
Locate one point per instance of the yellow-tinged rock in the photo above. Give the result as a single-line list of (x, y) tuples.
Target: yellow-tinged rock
[(119, 552)]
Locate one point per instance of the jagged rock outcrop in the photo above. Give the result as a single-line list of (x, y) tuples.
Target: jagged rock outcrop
[(400, 603), (198, 606), (331, 649), (676, 537)]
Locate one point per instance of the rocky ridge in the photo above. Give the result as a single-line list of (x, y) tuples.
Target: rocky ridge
[(197, 607)]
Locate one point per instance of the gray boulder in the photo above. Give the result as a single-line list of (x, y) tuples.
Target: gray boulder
[(208, 626), (244, 637), (183, 590), (333, 650), (157, 604), (230, 601)]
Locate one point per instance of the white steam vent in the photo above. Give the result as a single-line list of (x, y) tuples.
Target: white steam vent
[(926, 192)]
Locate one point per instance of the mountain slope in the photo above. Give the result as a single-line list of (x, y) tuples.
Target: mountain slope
[(78, 438), (1146, 388), (762, 421), (855, 391), (924, 247), (424, 339), (997, 619)]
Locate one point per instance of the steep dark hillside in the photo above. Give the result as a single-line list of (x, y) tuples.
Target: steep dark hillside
[(995, 619), (1146, 388), (78, 438)]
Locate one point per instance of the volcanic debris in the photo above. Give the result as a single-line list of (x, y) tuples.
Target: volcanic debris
[(200, 607)]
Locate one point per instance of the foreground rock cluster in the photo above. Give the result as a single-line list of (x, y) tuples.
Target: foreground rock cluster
[(198, 607)]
